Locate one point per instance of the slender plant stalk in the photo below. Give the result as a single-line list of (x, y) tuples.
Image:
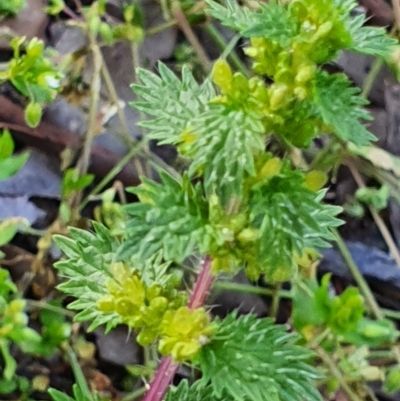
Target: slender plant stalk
[(378, 219), (185, 27), (371, 77), (250, 289), (360, 280), (337, 374), (70, 13), (160, 28), (159, 386), (358, 277), (232, 57), (134, 395), (393, 314), (94, 103), (111, 174), (396, 12), (275, 301), (114, 97), (167, 368)]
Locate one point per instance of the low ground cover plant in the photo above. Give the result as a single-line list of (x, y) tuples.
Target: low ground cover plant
[(237, 206), (243, 201)]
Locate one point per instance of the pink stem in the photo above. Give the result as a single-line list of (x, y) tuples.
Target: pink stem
[(202, 286), (167, 368)]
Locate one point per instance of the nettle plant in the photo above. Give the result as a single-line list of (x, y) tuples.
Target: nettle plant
[(237, 206)]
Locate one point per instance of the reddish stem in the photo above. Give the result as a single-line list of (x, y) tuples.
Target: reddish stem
[(202, 286), (167, 368)]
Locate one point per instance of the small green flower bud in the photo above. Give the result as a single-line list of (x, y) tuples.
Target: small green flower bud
[(305, 73), (247, 235), (278, 92), (222, 75)]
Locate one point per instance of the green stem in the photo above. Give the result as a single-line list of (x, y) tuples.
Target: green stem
[(275, 301), (371, 77), (93, 110), (232, 56), (337, 374), (95, 88), (185, 27), (79, 377), (160, 28), (393, 314), (32, 304), (111, 174), (316, 341), (358, 277), (114, 97), (250, 289), (135, 394)]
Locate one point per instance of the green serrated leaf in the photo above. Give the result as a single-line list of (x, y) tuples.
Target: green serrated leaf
[(87, 270), (251, 358), (340, 106), (172, 102), (369, 40), (224, 148), (170, 218), (273, 21), (290, 218), (196, 392), (232, 15)]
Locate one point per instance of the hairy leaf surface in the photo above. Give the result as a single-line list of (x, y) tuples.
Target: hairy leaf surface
[(251, 358), (171, 218), (341, 108), (87, 270), (171, 101)]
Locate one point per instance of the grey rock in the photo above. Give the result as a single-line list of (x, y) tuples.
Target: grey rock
[(20, 207), (66, 38), (118, 346), (40, 176), (64, 115), (373, 263)]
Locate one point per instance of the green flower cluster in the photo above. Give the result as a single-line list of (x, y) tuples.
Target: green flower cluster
[(240, 235), (282, 107), (157, 312), (13, 319), (12, 315), (319, 32), (184, 332), (312, 33)]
